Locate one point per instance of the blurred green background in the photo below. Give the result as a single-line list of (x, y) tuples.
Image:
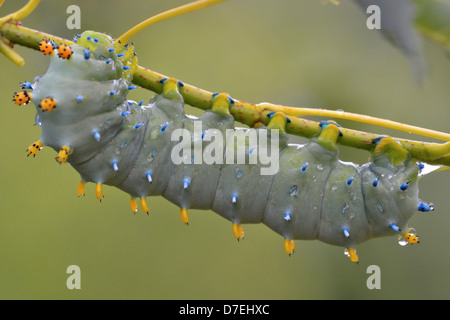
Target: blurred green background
[(296, 53)]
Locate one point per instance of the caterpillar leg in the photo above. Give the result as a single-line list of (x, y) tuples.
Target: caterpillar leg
[(98, 191), (393, 150), (238, 231), (63, 154), (81, 188), (184, 216), (329, 134), (171, 88), (289, 246), (144, 205), (351, 253), (34, 148)]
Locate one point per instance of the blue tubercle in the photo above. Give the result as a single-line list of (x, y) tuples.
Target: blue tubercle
[(375, 182), (404, 186), (97, 135), (305, 166), (287, 216), (87, 53), (350, 180)]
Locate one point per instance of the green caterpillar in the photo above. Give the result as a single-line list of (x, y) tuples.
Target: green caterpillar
[(84, 114)]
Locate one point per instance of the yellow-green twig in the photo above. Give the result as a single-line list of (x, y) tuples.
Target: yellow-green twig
[(248, 113), (193, 6)]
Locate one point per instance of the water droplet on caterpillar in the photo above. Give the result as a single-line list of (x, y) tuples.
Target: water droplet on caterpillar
[(293, 191), (37, 121), (380, 207), (402, 241)]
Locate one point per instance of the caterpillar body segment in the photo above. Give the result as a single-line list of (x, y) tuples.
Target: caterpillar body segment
[(304, 193)]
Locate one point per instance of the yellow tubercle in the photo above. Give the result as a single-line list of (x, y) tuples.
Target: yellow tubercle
[(329, 136), (81, 188), (144, 205), (133, 205), (171, 89), (63, 154), (289, 246), (221, 104), (412, 238), (351, 253), (278, 121), (184, 216), (98, 191), (47, 104), (393, 150), (34, 148), (238, 231)]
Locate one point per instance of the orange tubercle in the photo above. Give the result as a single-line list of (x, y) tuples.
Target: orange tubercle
[(21, 97), (64, 52), (46, 47), (47, 104)]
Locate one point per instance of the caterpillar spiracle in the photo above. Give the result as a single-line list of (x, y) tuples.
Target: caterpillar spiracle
[(246, 175), (84, 114)]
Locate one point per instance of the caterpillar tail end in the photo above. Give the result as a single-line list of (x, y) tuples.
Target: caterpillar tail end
[(289, 246), (351, 253), (238, 231), (184, 216), (34, 148)]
